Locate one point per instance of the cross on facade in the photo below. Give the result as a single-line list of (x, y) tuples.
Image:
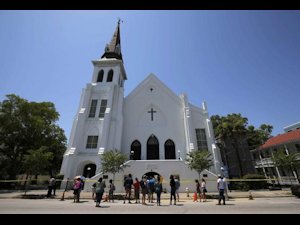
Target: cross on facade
[(152, 111)]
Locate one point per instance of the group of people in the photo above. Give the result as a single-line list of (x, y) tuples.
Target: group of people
[(201, 190), (146, 186)]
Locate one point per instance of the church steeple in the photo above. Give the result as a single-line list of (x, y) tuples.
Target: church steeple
[(113, 49)]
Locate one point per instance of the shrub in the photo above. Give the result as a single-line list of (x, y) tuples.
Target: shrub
[(255, 182)]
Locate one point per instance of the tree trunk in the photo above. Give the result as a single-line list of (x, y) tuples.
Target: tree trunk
[(290, 176), (235, 146)]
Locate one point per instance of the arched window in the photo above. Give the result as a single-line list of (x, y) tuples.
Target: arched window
[(152, 148), (100, 76), (135, 150), (170, 150), (110, 76)]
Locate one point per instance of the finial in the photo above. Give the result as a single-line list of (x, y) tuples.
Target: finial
[(119, 21)]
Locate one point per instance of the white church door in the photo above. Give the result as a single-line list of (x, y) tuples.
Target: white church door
[(152, 148), (170, 150), (135, 151)]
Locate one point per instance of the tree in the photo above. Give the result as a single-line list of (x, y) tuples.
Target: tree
[(28, 126), (257, 137), (199, 161), (288, 161), (37, 161), (231, 129), (113, 162)]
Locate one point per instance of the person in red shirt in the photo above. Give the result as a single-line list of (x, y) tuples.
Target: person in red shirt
[(136, 186)]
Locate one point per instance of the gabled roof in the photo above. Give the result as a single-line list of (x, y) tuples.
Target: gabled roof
[(151, 78), (280, 139)]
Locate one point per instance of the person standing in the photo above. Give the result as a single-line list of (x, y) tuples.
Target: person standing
[(54, 185), (177, 186), (158, 190), (112, 188), (143, 184), (203, 190), (198, 191), (221, 188), (151, 189), (127, 185), (77, 189), (136, 186), (100, 186), (173, 189), (51, 186)]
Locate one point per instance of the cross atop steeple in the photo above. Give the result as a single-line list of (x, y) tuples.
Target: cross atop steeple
[(119, 20), (113, 49)]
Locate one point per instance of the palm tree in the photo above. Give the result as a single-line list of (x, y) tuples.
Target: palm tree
[(231, 129), (288, 161)]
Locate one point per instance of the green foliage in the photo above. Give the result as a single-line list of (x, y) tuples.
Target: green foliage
[(280, 159), (290, 162), (230, 126), (113, 161), (232, 129), (199, 160), (257, 137), (26, 126), (37, 161)]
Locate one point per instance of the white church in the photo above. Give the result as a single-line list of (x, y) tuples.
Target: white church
[(153, 126)]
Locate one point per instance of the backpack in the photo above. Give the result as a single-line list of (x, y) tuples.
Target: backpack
[(100, 187), (158, 188), (113, 187)]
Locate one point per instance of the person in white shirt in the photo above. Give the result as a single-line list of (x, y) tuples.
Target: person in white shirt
[(203, 190), (221, 188)]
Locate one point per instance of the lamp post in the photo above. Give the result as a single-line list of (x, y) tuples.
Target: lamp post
[(132, 155), (88, 172)]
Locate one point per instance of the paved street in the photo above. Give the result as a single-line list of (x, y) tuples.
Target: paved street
[(234, 206)]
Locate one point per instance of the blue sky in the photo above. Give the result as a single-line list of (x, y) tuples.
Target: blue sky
[(244, 62)]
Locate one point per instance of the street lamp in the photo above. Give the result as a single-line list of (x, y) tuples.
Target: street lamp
[(88, 172), (132, 155), (222, 169)]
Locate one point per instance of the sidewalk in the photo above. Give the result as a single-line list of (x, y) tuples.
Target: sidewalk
[(35, 194)]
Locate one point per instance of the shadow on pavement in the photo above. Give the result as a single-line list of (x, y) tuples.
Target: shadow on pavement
[(103, 206)]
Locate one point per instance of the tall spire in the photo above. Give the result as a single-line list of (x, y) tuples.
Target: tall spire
[(113, 49)]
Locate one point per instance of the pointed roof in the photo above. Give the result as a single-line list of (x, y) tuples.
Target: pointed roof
[(113, 49)]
